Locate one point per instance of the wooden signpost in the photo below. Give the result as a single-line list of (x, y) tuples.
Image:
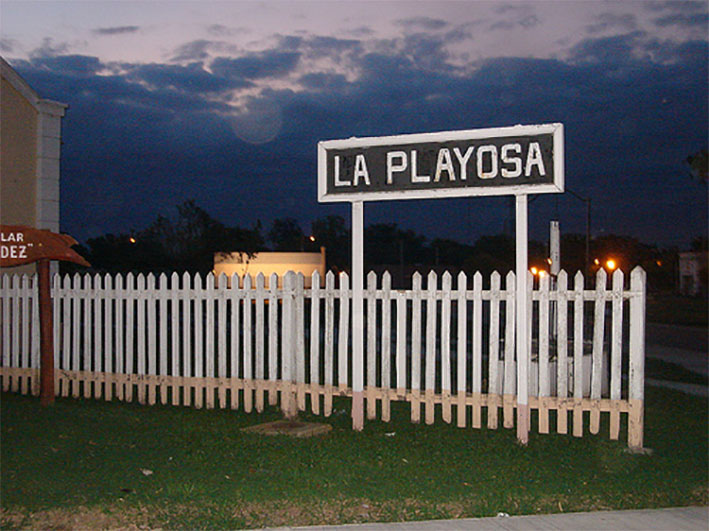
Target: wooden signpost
[(519, 160), (20, 245)]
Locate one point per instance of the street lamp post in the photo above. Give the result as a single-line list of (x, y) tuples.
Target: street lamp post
[(587, 258)]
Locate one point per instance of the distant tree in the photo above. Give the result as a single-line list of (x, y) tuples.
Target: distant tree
[(286, 235), (187, 243), (661, 266), (573, 253), (386, 243), (330, 232), (449, 252), (492, 253), (120, 253), (699, 166), (700, 243)]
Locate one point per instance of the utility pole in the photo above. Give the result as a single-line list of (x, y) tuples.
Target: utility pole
[(554, 249), (554, 267), (587, 256)]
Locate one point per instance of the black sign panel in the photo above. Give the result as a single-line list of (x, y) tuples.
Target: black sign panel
[(522, 159)]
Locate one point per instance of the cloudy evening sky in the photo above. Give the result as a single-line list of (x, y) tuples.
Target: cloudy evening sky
[(224, 102)]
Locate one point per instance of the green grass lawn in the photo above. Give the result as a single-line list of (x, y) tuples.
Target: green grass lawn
[(90, 464)]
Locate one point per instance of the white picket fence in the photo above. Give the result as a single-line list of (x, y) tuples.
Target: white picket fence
[(443, 347)]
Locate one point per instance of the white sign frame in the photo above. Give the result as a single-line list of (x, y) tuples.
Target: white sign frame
[(556, 186), (522, 303)]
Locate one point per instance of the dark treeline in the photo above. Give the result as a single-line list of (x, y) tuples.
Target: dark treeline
[(189, 241)]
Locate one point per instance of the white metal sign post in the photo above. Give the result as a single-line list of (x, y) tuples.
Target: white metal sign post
[(522, 309), (358, 315), (518, 160)]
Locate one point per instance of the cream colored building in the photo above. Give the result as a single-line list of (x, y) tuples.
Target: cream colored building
[(270, 262), (690, 272), (30, 146)]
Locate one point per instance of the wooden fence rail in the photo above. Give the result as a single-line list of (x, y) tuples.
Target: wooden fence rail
[(446, 348)]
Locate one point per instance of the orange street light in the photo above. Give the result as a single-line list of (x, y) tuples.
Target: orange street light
[(611, 264)]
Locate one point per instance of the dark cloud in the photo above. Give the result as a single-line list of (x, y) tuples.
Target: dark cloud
[(684, 20), (504, 8), (139, 142), (118, 30), (669, 52), (514, 16), (526, 22), (613, 21), (320, 81), (71, 65), (49, 48), (193, 51), (337, 50), (329, 46), (361, 31), (529, 21), (676, 6), (219, 30), (459, 33), (422, 23), (7, 45), (427, 51), (192, 78), (610, 50), (253, 66)]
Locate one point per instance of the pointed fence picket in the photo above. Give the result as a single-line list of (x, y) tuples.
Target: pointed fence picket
[(461, 349), (447, 348)]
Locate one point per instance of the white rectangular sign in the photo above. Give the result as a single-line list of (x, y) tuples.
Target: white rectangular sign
[(523, 159)]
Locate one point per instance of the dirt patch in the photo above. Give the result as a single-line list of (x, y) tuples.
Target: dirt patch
[(288, 513), (342, 511), (113, 518), (292, 428), (243, 515), (701, 494)]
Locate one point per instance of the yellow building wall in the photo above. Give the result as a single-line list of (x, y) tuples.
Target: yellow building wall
[(18, 163), (269, 263)]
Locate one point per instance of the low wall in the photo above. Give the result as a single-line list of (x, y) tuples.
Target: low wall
[(280, 263)]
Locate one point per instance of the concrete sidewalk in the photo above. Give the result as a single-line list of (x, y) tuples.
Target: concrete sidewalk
[(679, 519), (686, 346), (693, 360), (692, 389)]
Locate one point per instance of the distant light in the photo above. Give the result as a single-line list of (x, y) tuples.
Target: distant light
[(610, 264), (132, 240), (534, 270), (549, 261), (312, 238), (659, 263), (542, 273), (597, 261)]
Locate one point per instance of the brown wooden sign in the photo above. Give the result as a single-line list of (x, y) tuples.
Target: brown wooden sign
[(20, 244)]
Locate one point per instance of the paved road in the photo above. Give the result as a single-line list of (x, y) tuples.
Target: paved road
[(673, 519), (684, 345), (682, 337)]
